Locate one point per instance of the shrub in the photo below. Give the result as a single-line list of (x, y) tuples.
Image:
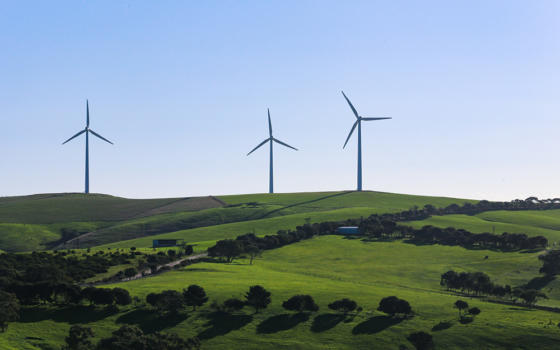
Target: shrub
[(300, 303), (343, 305), (393, 305)]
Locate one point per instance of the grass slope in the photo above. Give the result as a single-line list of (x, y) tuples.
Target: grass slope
[(72, 207), (112, 219), (327, 267), (266, 213)]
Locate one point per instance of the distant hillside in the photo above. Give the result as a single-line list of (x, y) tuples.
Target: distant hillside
[(40, 221), (72, 207), (46, 221)]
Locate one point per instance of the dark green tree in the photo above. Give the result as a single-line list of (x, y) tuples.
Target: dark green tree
[(194, 296), (393, 305), (343, 305), (300, 303), (257, 297), (121, 296), (9, 309), (79, 338), (461, 305)]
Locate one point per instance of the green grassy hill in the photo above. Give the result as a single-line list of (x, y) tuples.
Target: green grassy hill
[(36, 222), (328, 268), (108, 219)]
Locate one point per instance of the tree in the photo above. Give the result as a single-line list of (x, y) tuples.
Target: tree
[(461, 305), (103, 296), (300, 303), (393, 305), (79, 338), (343, 305), (530, 296), (257, 297), (253, 251), (121, 296), (9, 309), (227, 248), (167, 302), (421, 340), (188, 249), (130, 272), (233, 304), (474, 311), (194, 296)]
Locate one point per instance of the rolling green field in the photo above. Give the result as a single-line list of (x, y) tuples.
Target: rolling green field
[(328, 268), (105, 219)]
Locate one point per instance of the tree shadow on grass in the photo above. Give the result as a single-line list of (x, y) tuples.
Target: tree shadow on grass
[(325, 322), (150, 321), (443, 325), (281, 322), (221, 323), (539, 282), (69, 314), (375, 325)]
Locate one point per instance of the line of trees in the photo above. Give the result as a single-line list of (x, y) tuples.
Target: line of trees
[(473, 283), (479, 284), (127, 337), (453, 237), (229, 249)]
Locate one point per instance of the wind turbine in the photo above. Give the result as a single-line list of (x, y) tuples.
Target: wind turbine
[(358, 122), (87, 130), (270, 139)]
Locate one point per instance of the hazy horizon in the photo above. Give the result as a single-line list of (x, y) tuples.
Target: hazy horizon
[(182, 90)]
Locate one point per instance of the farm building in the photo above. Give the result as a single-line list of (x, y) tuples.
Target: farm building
[(159, 243), (348, 230)]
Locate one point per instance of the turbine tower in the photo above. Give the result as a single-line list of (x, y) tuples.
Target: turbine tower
[(87, 130), (271, 139), (358, 122)]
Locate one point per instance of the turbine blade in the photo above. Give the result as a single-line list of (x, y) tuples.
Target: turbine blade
[(73, 137), (376, 118), (284, 144), (101, 137), (351, 131), (87, 112), (351, 106), (269, 124), (260, 144)]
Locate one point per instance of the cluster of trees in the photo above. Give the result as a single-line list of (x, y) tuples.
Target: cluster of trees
[(479, 283), (476, 283), (387, 225), (551, 263), (61, 294), (127, 337), (451, 236), (58, 267), (464, 307), (171, 302)]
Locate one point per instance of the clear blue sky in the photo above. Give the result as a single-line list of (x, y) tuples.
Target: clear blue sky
[(182, 88)]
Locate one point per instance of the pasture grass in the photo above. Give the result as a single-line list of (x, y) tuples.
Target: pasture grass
[(328, 268)]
